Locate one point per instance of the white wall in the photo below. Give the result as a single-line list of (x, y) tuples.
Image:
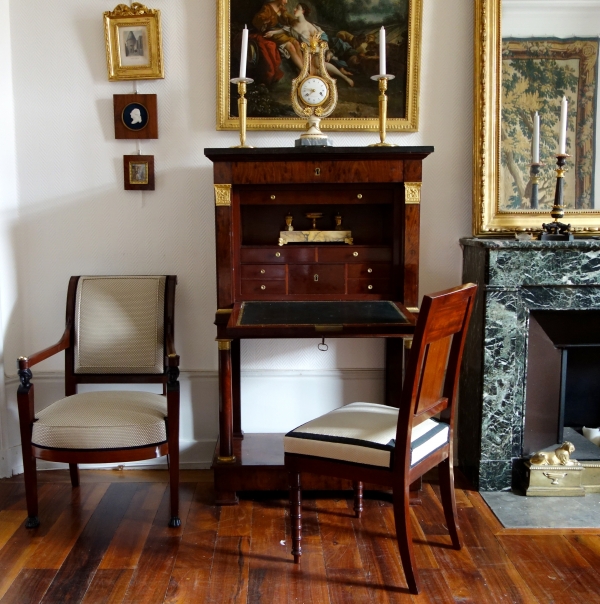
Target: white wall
[(75, 218)]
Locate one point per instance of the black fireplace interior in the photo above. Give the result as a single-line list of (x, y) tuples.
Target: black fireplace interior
[(563, 381)]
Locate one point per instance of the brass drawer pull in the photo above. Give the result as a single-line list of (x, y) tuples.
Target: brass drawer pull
[(277, 254), (262, 271), (265, 287), (355, 254), (369, 270), (369, 287), (359, 196), (272, 196)]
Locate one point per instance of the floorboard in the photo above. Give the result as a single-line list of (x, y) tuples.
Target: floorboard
[(107, 542)]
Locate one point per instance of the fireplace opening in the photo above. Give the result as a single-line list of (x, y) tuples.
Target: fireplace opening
[(562, 391)]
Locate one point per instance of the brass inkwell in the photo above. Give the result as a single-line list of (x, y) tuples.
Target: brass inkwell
[(314, 235)]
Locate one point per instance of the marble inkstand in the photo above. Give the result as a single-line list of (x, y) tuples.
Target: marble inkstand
[(516, 279)]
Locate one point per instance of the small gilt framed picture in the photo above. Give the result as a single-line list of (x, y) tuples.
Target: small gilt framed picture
[(135, 116), (138, 172), (133, 43)]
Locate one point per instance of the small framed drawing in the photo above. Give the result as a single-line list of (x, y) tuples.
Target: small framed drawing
[(138, 172), (133, 43), (135, 116)]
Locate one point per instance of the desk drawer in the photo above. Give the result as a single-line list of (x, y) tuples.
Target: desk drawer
[(355, 254), (263, 271), (278, 255), (258, 287), (369, 286), (372, 270), (316, 279)]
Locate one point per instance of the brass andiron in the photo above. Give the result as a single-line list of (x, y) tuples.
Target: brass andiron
[(242, 102), (383, 80), (558, 231)]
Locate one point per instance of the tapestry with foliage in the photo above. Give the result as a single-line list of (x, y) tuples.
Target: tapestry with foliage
[(536, 74)]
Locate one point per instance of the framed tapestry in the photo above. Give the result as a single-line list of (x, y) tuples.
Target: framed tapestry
[(351, 29), (536, 73)]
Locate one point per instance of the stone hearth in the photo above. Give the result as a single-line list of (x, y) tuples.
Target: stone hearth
[(514, 278)]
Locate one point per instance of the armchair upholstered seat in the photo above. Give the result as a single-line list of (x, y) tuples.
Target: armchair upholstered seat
[(119, 329), (393, 447)]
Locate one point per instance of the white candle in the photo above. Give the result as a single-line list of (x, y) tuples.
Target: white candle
[(382, 51), (562, 135), (536, 138), (244, 56)]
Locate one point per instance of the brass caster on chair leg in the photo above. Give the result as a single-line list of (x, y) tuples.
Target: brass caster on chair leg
[(32, 522), (174, 522)]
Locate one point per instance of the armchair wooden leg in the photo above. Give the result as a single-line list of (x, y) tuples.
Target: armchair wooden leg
[(74, 472), (358, 498), (296, 514), (446, 475), (404, 536), (31, 494), (173, 457)]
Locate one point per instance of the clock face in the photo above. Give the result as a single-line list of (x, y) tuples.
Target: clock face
[(313, 91)]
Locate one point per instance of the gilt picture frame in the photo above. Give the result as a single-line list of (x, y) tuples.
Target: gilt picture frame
[(353, 41), (133, 43), (138, 172)]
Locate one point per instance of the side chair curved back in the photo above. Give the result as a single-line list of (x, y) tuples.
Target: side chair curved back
[(393, 447), (119, 330)]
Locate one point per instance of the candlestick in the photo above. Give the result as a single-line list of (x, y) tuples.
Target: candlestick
[(562, 134), (244, 57), (382, 51), (536, 139), (383, 80), (242, 102), (534, 170), (558, 231)]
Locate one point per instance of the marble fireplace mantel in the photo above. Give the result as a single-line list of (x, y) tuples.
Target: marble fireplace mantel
[(514, 278)]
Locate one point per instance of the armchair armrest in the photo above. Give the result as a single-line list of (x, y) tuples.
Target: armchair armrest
[(27, 362)]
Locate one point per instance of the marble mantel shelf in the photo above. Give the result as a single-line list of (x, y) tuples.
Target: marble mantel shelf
[(515, 277)]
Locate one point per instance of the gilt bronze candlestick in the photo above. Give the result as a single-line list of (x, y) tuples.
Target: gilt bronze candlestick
[(558, 231), (242, 102), (534, 170), (383, 80)]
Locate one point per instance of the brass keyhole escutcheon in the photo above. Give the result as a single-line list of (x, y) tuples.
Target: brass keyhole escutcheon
[(272, 196), (369, 270), (317, 171), (262, 271), (369, 287), (316, 277), (355, 254), (265, 287), (277, 254), (359, 196)]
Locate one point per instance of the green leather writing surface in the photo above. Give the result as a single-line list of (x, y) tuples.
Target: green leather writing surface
[(321, 313)]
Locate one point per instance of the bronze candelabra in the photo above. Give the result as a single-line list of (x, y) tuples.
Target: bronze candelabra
[(558, 231), (383, 80), (242, 103)]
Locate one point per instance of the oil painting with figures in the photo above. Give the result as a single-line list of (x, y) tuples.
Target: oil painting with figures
[(351, 28)]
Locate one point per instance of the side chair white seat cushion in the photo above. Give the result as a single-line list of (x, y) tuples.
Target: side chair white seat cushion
[(363, 433), (102, 420)]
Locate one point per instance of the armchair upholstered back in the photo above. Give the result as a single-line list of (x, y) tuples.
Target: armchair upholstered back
[(119, 325)]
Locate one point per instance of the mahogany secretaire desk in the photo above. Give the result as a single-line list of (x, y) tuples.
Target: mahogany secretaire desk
[(348, 268)]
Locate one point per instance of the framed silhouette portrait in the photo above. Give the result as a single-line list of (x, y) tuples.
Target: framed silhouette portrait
[(135, 116)]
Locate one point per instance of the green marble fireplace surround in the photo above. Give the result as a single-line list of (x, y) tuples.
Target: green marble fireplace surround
[(514, 278)]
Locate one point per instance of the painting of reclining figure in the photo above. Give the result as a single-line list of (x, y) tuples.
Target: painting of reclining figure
[(277, 29)]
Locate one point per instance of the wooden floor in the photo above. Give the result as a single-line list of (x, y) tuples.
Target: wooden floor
[(108, 541)]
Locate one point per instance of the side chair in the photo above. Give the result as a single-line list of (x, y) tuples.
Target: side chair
[(119, 330), (389, 446)]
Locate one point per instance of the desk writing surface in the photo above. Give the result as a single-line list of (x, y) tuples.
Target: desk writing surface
[(321, 313)]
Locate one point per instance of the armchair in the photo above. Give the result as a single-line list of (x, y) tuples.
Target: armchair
[(119, 329)]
